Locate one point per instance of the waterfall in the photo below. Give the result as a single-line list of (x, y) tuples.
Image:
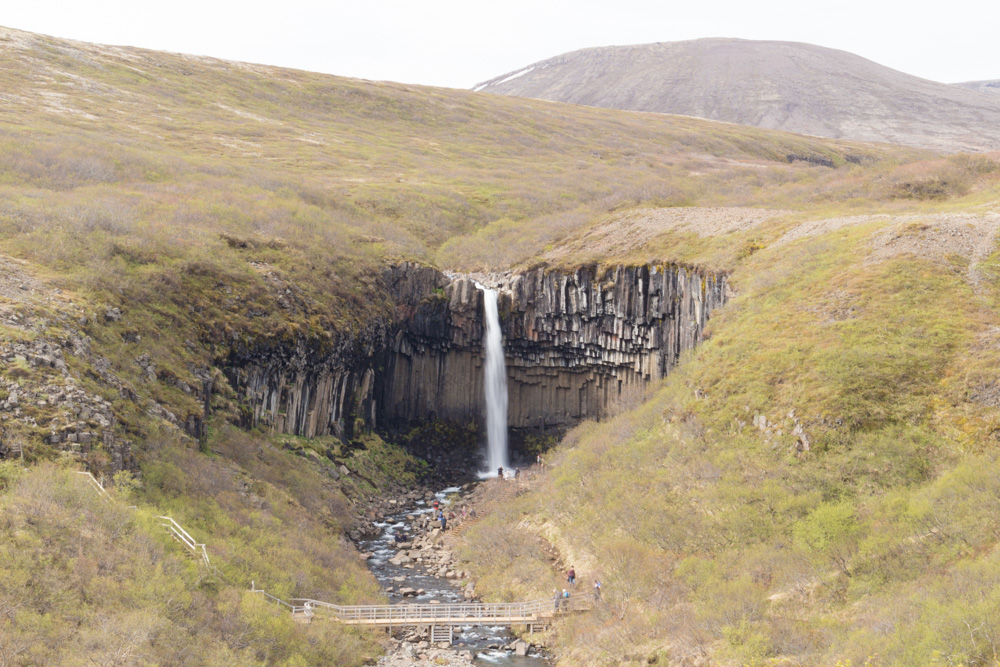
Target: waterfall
[(494, 385)]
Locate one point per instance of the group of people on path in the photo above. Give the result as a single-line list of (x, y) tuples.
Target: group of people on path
[(513, 473), (562, 599), (507, 474), (444, 518)]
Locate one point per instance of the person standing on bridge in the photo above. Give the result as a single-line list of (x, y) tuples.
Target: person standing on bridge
[(597, 590), (565, 600), (571, 576)]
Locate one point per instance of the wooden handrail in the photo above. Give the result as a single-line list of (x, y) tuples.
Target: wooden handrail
[(305, 609), (197, 548), (105, 496)]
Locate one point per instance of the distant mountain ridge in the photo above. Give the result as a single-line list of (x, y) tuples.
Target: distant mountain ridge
[(779, 85), (992, 86)]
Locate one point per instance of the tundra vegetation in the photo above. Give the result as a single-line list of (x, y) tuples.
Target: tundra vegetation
[(818, 482)]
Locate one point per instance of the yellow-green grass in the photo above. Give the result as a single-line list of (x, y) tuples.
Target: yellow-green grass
[(877, 540), (240, 206), (89, 581), (233, 206)]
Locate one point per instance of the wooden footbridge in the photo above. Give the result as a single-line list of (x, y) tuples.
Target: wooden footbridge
[(461, 614), (440, 619)]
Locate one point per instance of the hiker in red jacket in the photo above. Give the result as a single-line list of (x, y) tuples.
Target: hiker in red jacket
[(571, 576)]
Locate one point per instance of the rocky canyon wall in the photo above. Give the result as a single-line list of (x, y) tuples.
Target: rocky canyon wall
[(575, 343)]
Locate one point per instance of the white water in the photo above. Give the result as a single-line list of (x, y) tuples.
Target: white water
[(495, 386)]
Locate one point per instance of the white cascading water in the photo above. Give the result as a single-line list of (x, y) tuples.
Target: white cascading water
[(494, 385)]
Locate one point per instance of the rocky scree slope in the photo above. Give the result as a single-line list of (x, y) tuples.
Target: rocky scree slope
[(781, 85)]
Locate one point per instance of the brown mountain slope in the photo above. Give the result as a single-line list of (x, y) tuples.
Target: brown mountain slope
[(782, 85)]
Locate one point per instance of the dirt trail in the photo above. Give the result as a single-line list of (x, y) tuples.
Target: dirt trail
[(635, 229), (488, 497), (937, 237)]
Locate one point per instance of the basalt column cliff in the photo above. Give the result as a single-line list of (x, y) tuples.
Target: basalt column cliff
[(575, 344)]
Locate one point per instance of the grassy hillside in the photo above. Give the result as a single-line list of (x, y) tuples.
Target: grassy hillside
[(158, 212), (221, 206), (819, 479), (87, 581)]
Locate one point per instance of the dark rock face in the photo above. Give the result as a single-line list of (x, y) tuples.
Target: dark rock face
[(312, 388), (575, 344), (308, 389)]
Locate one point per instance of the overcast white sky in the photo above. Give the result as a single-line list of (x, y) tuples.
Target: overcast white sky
[(458, 43)]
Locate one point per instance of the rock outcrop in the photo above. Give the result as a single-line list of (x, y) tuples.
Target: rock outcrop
[(307, 388), (575, 342)]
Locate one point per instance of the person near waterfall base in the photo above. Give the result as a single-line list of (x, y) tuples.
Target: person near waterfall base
[(500, 472)]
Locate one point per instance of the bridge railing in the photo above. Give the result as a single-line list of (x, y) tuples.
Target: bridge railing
[(402, 613), (303, 609)]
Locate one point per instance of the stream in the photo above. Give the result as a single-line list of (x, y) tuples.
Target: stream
[(482, 641)]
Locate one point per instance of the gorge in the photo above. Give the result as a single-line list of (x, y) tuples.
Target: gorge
[(576, 342)]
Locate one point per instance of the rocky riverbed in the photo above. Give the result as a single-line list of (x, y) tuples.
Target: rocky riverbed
[(421, 569)]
